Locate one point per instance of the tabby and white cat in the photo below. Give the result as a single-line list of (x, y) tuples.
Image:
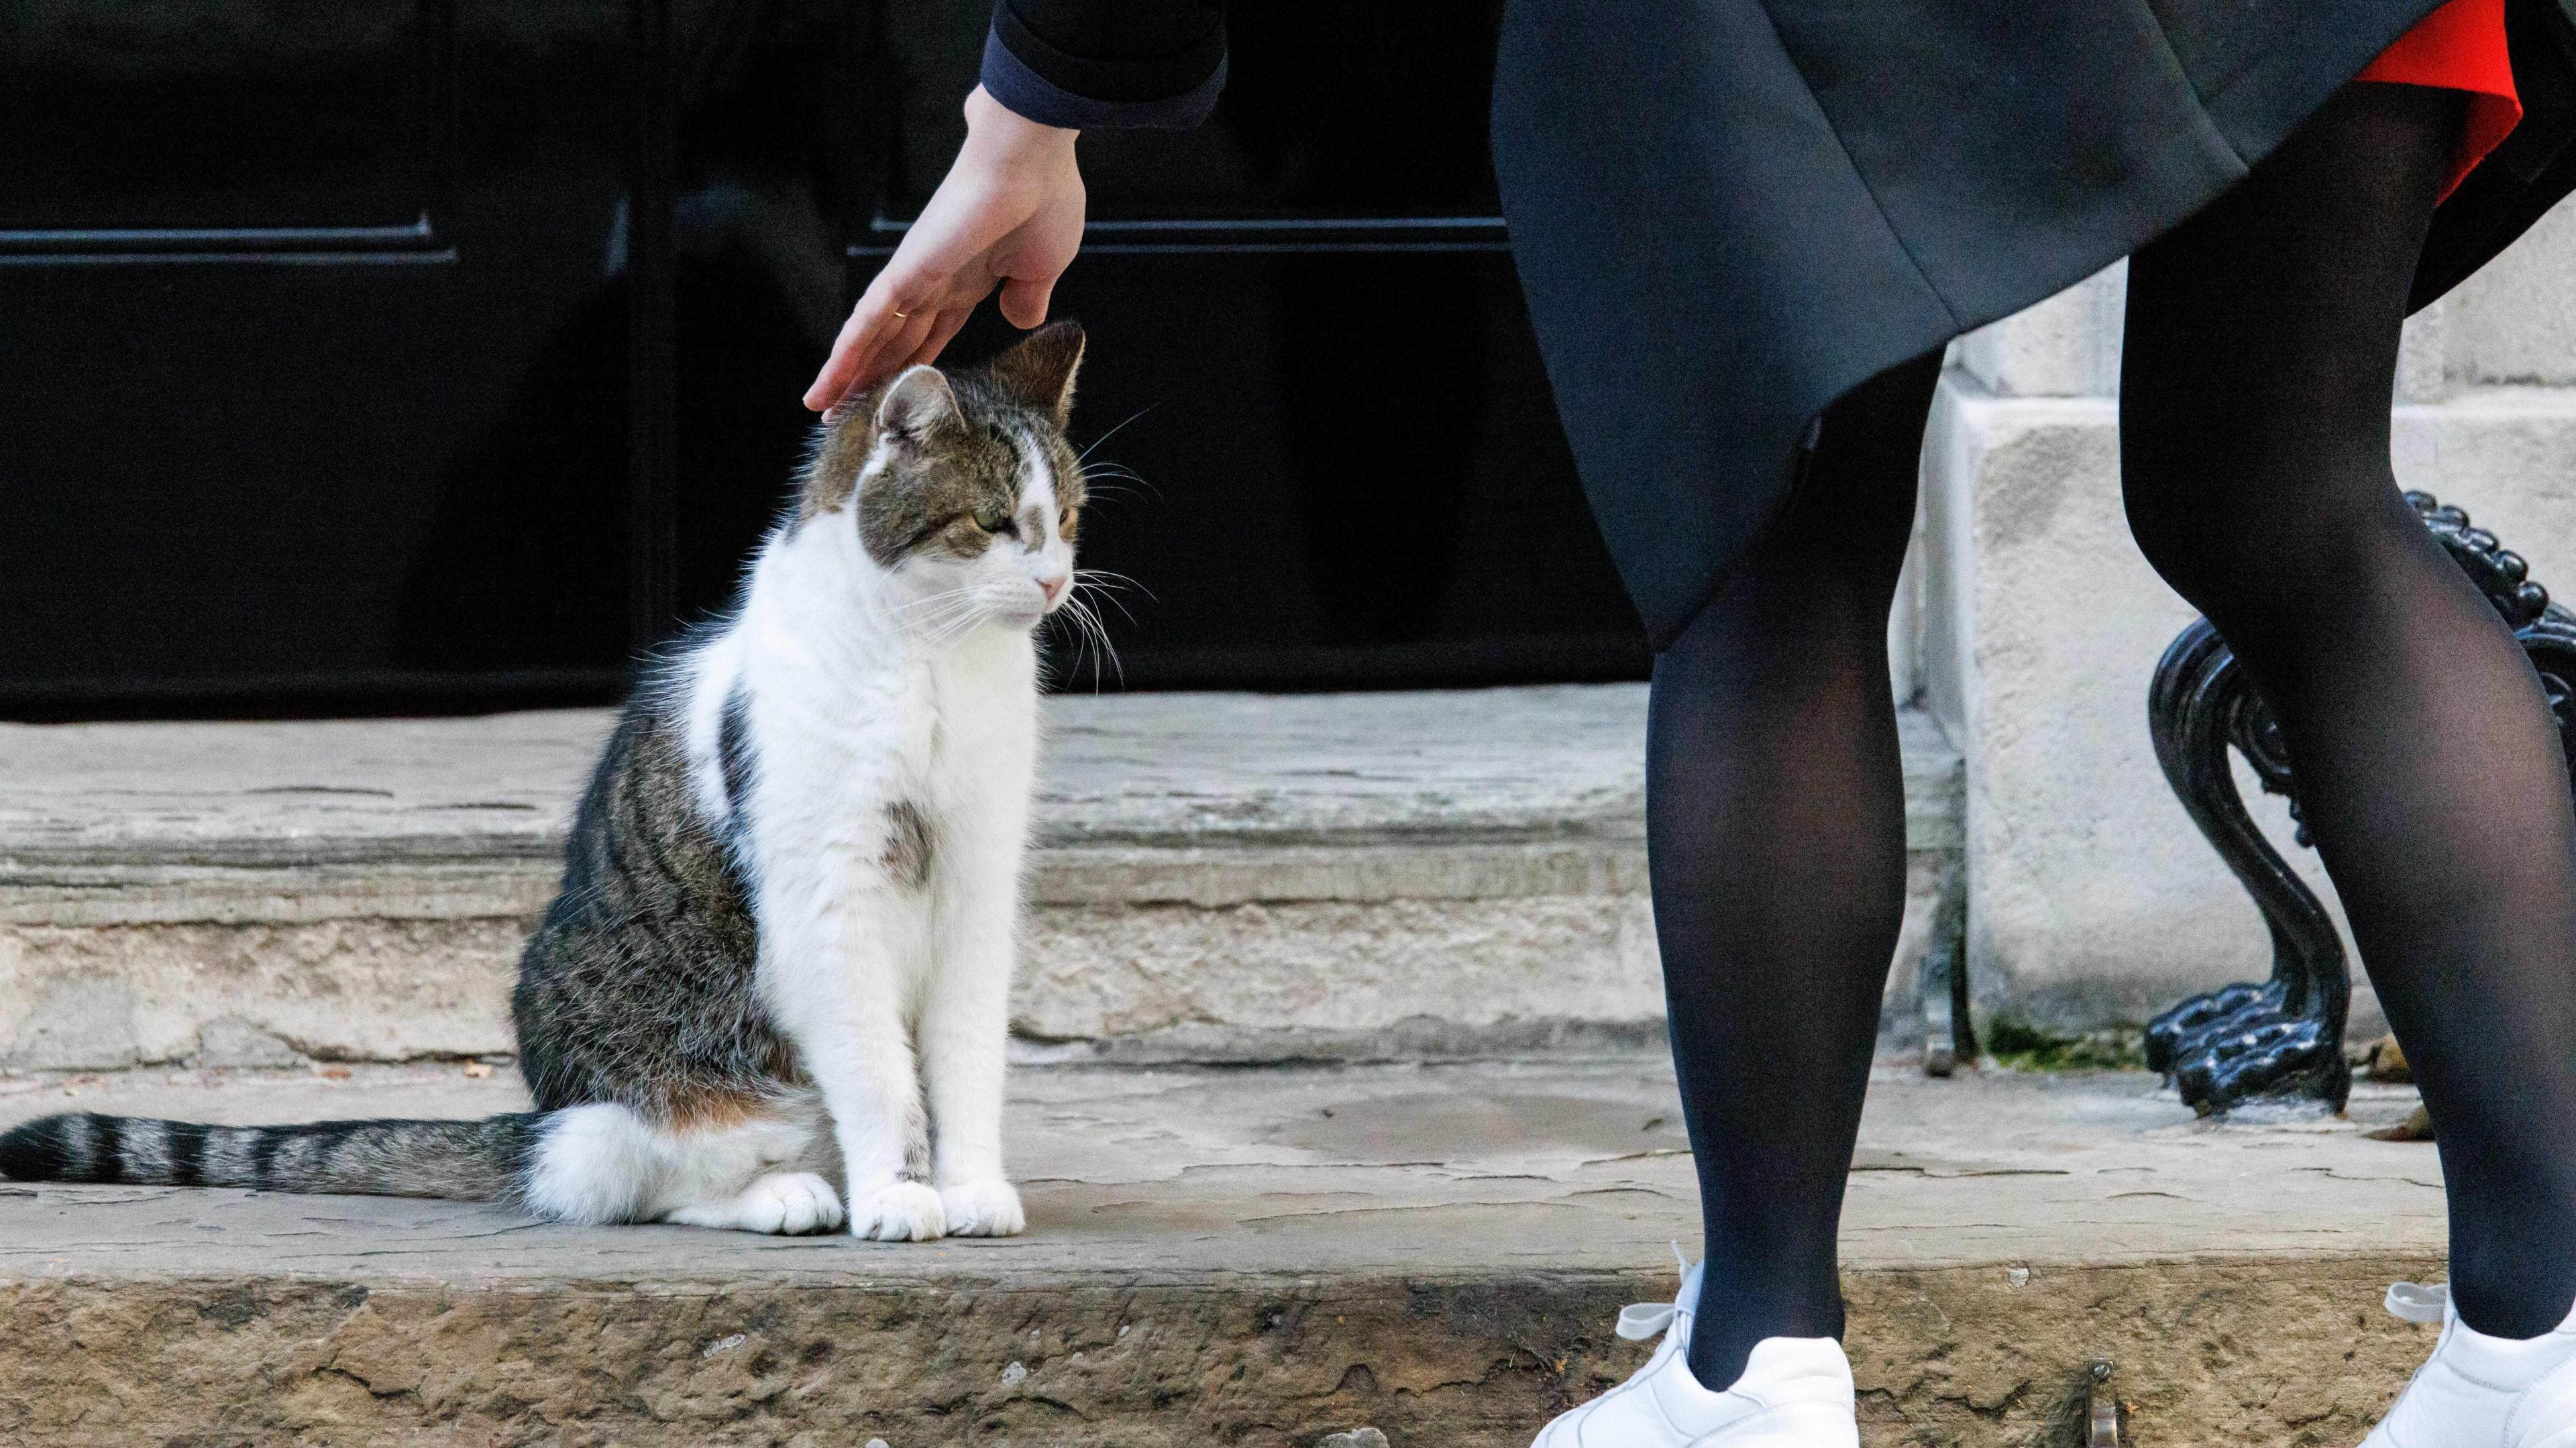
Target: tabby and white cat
[(780, 961)]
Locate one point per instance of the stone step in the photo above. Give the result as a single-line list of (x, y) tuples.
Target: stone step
[(1217, 876), (1256, 1257)]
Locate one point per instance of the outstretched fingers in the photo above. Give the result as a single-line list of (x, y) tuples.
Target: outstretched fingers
[(1010, 209), (879, 340), (872, 333)]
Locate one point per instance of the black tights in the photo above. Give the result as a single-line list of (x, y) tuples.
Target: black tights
[(2261, 353)]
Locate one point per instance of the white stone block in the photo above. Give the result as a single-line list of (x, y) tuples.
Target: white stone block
[(2067, 346), (2515, 321), (2424, 356), (2507, 455), (2092, 899)]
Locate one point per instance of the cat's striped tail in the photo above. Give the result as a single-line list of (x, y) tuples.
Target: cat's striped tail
[(466, 1160)]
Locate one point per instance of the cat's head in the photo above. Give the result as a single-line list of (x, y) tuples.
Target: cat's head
[(960, 485)]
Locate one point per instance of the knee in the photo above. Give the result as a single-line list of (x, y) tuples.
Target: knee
[(2215, 509), (2237, 542), (2197, 543), (2214, 486), (1782, 609)]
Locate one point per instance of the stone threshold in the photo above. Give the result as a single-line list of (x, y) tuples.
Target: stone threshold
[(1214, 875), (1250, 1257)]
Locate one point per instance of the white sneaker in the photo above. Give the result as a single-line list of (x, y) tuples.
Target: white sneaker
[(1796, 1392), (2480, 1391)]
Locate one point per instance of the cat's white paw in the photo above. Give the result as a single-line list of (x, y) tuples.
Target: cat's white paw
[(988, 1208), (903, 1212), (793, 1203), (786, 1203)]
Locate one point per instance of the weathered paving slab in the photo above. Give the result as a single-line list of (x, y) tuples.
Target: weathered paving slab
[(1254, 1257), (1501, 766), (1216, 875), (1510, 765)]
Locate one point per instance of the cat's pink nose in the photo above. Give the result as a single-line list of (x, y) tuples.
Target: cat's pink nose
[(1054, 587)]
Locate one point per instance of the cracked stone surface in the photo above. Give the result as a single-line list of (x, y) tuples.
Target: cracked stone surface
[(1256, 1257), (1217, 876), (1509, 765), (1554, 761)]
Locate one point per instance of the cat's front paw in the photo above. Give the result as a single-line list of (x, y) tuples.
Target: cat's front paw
[(903, 1212), (988, 1208)]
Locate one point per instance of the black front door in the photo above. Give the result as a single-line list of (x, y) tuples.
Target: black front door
[(443, 353)]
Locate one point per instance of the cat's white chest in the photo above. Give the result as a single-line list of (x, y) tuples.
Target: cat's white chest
[(952, 739), (981, 748)]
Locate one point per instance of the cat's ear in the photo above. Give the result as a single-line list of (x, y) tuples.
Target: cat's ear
[(915, 403), (1039, 368)]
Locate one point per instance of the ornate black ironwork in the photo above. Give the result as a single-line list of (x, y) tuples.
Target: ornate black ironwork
[(2283, 1037)]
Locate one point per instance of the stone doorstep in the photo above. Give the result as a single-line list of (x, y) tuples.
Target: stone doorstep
[(1239, 1257), (1217, 876), (1198, 798)]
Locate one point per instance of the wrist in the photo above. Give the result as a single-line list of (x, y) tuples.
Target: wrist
[(991, 125)]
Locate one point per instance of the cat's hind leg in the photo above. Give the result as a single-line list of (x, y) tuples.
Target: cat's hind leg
[(789, 1203), (747, 1167), (750, 1167)]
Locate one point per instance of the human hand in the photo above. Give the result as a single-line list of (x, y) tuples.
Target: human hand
[(1008, 214)]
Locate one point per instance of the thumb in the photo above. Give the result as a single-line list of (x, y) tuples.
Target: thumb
[(1024, 301)]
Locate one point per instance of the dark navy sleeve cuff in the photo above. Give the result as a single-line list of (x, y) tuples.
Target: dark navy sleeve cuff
[(1009, 80)]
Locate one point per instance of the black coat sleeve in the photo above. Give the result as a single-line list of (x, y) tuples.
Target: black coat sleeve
[(1095, 64)]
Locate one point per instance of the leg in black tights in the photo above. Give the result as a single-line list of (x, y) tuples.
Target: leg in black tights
[(1776, 825), (2262, 345), (2261, 352)]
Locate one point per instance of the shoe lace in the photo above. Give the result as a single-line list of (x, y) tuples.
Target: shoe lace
[(1639, 1321), (2407, 1301)]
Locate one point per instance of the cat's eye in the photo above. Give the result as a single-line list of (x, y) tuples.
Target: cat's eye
[(998, 524)]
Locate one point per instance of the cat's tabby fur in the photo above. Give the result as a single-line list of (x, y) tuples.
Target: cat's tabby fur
[(775, 980)]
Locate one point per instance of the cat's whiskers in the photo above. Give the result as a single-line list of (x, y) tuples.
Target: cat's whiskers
[(1108, 586), (1090, 634), (1113, 432), (1104, 579), (944, 615), (943, 596), (1101, 478), (956, 628)]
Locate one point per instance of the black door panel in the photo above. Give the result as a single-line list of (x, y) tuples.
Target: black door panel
[(432, 353), (213, 122)]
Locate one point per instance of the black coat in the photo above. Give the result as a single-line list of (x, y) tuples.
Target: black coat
[(1726, 213)]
